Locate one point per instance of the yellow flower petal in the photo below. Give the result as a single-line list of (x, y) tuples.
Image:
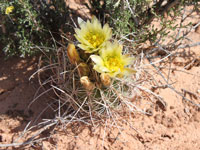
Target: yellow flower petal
[(113, 49), (82, 46), (100, 69), (129, 71), (97, 59), (128, 60), (108, 30), (80, 21)]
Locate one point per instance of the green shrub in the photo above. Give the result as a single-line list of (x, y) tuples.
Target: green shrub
[(31, 23), (131, 19)]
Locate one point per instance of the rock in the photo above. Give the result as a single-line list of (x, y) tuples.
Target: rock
[(197, 30)]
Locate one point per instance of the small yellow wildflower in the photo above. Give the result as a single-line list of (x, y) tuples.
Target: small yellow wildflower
[(112, 62), (92, 36), (9, 10)]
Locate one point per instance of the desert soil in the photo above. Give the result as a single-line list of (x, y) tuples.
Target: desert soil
[(177, 127)]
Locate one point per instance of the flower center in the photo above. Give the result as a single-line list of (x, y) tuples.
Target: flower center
[(95, 38), (114, 64)]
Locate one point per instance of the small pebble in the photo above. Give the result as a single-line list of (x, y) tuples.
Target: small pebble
[(149, 112), (198, 91)]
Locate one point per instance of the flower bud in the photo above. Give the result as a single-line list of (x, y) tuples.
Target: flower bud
[(84, 56), (83, 69), (72, 54), (87, 84), (105, 79)]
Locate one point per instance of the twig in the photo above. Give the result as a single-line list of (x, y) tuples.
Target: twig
[(169, 86), (133, 14), (188, 45), (30, 140)]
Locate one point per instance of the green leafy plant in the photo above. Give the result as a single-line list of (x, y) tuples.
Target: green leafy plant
[(131, 19), (31, 24)]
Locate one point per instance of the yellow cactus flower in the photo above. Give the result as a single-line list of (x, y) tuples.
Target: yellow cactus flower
[(92, 36), (72, 54), (112, 62), (9, 10)]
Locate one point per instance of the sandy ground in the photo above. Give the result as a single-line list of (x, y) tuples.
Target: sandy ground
[(177, 127)]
